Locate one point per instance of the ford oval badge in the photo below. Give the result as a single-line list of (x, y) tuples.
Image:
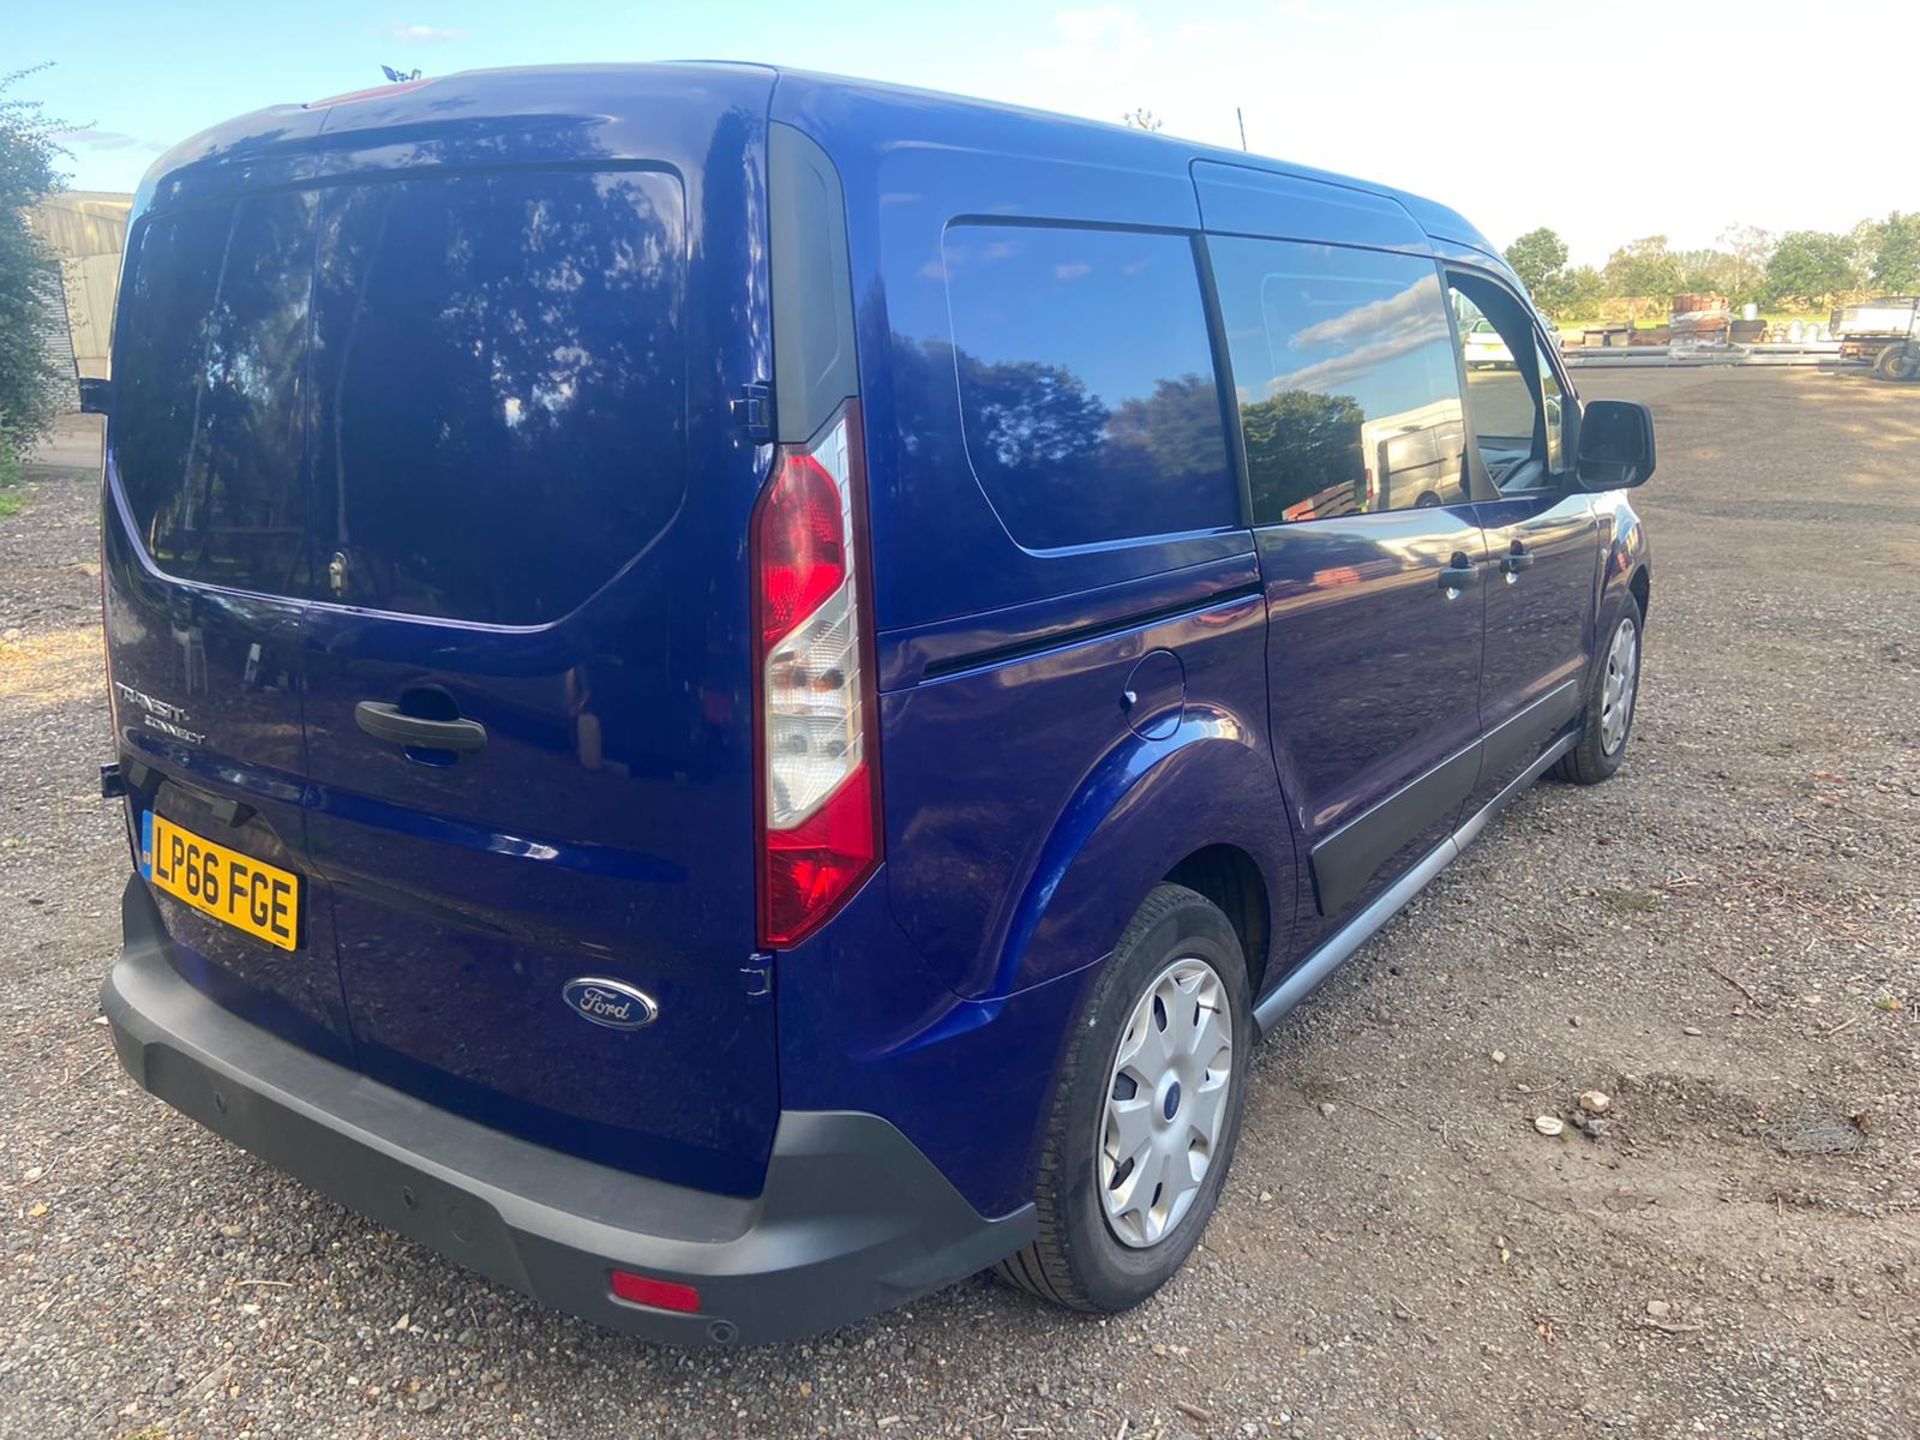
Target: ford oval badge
[(611, 1003)]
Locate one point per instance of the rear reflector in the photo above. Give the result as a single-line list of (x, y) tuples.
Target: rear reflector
[(660, 1294), (819, 787)]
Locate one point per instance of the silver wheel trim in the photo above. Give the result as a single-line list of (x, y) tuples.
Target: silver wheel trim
[(1166, 1103), (1618, 689)]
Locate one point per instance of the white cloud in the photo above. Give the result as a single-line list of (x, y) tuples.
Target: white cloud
[(408, 34), (1415, 308), (92, 137)]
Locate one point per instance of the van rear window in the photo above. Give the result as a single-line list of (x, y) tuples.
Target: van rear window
[(500, 389), (459, 397), (208, 423), (1087, 389)]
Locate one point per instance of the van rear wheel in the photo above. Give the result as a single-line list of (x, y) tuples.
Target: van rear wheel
[(1147, 1112)]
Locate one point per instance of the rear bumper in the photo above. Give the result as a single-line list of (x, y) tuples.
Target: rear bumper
[(853, 1218)]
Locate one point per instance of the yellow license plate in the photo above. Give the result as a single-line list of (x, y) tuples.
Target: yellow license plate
[(248, 894)]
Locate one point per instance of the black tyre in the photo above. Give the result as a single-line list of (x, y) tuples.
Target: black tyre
[(1611, 701), (1897, 362), (1147, 1112)]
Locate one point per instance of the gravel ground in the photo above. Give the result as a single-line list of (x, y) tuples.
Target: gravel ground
[(1726, 940)]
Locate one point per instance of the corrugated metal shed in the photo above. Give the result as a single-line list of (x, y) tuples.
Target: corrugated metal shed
[(58, 340), (87, 229)]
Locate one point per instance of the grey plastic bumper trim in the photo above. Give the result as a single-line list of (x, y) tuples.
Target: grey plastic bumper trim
[(853, 1218)]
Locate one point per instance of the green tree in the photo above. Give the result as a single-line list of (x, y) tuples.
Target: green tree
[(29, 281), (1896, 261), (1573, 294), (1702, 271), (1811, 266), (1644, 273), (1745, 250), (1537, 257)]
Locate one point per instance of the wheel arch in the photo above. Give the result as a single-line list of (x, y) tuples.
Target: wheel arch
[(1202, 808), (1230, 877), (1626, 566)]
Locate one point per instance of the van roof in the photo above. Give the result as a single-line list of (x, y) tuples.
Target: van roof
[(413, 103), (1441, 222)]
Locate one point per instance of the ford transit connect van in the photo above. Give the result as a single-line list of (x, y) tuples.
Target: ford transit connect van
[(739, 693)]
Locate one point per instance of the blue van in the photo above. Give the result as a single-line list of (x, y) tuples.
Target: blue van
[(738, 693)]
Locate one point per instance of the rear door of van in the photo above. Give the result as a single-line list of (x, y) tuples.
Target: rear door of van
[(527, 659), (206, 569)]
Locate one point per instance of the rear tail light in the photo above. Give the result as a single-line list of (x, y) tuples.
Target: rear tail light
[(819, 788)]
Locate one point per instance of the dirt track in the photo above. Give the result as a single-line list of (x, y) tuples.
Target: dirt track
[(1726, 939)]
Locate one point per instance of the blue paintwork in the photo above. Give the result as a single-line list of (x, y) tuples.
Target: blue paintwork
[(1283, 677), (1375, 675)]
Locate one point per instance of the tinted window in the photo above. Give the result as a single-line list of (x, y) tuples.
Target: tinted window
[(1556, 403), (1087, 391), (500, 366), (1344, 365), (209, 428), (1499, 390), (1512, 394), (160, 337)]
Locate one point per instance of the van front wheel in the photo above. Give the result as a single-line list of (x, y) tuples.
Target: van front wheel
[(1147, 1111), (1608, 720)]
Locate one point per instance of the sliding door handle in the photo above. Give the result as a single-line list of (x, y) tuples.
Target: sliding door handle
[(1517, 559), (1457, 576)]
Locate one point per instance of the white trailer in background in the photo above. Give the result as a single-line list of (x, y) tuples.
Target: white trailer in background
[(1865, 330)]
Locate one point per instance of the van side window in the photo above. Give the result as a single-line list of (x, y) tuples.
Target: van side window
[(1087, 391), (1514, 419), (1555, 405), (211, 428), (1344, 367), (500, 389)]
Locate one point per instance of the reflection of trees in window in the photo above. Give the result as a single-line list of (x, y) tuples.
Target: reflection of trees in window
[(1028, 415), (239, 516), (1304, 455), (1060, 465), (505, 350), (1179, 424)]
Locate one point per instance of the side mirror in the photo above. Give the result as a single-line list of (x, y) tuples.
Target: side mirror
[(1616, 445), (96, 395)]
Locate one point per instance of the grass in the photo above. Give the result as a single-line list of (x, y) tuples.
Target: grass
[(1654, 322), (10, 497), (1629, 902)]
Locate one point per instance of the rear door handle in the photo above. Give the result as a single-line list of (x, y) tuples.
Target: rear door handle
[(385, 722), (1517, 559), (1457, 576)]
